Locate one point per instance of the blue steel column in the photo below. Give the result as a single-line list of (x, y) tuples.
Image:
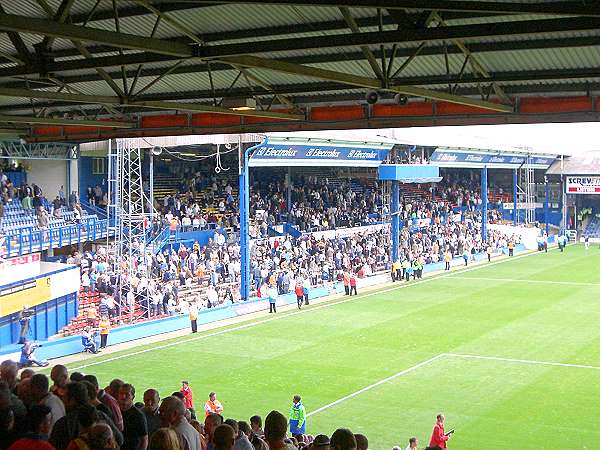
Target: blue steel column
[(395, 206), (289, 190), (484, 204), (515, 183), (245, 226), (151, 177), (546, 205)]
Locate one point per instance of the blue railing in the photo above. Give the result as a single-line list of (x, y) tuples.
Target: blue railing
[(160, 240), (32, 239), (92, 209)]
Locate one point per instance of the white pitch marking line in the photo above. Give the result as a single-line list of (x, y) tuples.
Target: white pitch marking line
[(315, 308), (522, 361), (374, 385), (517, 280)]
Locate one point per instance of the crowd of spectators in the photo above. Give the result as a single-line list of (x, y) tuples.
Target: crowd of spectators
[(209, 275), (74, 412), (34, 203), (316, 203)]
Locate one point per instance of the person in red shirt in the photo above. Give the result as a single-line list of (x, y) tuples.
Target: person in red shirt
[(347, 282), (186, 390), (353, 284), (299, 289), (439, 437)]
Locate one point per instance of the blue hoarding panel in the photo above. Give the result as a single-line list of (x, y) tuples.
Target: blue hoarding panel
[(479, 159), (282, 154), (409, 173)]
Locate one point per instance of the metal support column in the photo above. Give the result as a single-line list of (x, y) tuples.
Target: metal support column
[(546, 205), (289, 189), (515, 195), (151, 176), (484, 204), (245, 225), (395, 207)]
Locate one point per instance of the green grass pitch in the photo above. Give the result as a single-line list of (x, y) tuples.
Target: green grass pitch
[(523, 313)]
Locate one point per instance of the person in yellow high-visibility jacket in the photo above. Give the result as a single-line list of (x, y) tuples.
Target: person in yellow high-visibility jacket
[(104, 326), (193, 312)]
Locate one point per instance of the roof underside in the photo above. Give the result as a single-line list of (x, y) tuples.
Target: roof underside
[(89, 60)]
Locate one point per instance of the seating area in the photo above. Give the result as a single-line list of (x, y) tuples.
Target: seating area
[(89, 314), (16, 217), (593, 228)]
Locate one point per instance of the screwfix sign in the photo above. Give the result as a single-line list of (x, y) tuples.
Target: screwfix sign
[(583, 185)]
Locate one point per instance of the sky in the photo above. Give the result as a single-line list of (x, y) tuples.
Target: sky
[(559, 138)]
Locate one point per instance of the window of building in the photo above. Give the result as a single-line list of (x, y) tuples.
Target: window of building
[(99, 166)]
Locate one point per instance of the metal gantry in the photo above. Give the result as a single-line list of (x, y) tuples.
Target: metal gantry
[(526, 192), (23, 150), (129, 209)]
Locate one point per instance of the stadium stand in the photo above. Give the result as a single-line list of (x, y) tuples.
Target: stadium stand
[(593, 228)]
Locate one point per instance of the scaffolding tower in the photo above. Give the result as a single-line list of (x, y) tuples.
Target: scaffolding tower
[(129, 212), (526, 190)]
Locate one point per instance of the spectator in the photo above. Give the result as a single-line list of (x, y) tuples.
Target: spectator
[(164, 439), (224, 437), (42, 396), (275, 431), (40, 422), (150, 410), (135, 428), (321, 442), (343, 439), (412, 443), (172, 412), (78, 408), (241, 441), (362, 443), (59, 376)]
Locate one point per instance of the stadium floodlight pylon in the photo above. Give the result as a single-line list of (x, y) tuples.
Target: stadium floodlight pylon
[(129, 213)]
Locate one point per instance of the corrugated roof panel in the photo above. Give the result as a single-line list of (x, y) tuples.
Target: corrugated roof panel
[(571, 58)]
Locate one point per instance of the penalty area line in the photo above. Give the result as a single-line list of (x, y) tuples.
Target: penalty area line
[(522, 361), (517, 280), (374, 385), (447, 355)]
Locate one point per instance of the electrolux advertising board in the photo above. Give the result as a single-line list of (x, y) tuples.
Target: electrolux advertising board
[(308, 154), (583, 185), (474, 159)]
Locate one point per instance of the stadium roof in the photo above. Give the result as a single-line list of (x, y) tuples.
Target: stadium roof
[(158, 67), (584, 164)]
